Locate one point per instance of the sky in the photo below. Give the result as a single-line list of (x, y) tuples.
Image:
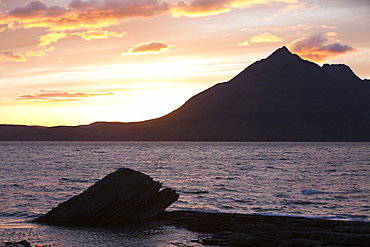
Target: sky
[(75, 62)]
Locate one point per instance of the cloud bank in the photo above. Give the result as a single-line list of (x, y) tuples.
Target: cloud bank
[(318, 47), (80, 14), (97, 14), (198, 8), (88, 18)]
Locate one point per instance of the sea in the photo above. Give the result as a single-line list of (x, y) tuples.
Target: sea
[(315, 180)]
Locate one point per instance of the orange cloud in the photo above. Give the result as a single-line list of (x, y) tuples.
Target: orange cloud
[(198, 8), (49, 38), (315, 48), (18, 57), (262, 38), (265, 38), (50, 48), (35, 53), (58, 96), (244, 43), (326, 26), (151, 47), (293, 7), (10, 56), (89, 35)]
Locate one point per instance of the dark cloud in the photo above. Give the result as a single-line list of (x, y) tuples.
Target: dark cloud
[(337, 48), (83, 5), (32, 9), (315, 48)]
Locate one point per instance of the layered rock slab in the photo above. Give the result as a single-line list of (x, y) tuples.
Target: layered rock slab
[(262, 230), (122, 197)]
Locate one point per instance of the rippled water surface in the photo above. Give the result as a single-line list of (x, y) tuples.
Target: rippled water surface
[(326, 180)]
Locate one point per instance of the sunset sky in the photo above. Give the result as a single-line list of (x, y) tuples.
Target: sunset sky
[(73, 62)]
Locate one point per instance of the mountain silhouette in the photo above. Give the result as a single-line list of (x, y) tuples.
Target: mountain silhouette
[(280, 98)]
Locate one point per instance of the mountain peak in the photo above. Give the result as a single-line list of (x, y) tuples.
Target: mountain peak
[(280, 58), (282, 51), (282, 54)]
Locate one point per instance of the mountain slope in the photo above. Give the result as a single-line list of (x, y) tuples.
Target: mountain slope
[(280, 98)]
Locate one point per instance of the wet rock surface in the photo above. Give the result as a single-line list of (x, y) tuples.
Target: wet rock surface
[(23, 243), (122, 197), (259, 230)]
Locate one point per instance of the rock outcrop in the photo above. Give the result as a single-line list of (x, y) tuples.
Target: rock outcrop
[(262, 230), (22, 243), (124, 196)]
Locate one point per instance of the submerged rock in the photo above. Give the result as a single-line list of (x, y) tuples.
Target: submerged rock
[(124, 196)]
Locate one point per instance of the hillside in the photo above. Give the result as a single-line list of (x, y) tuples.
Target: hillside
[(280, 98)]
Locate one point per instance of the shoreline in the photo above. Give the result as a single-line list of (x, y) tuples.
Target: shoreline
[(229, 229), (236, 229)]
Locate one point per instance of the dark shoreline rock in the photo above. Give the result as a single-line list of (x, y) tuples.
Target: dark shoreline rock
[(127, 196), (122, 197), (261, 230), (22, 243)]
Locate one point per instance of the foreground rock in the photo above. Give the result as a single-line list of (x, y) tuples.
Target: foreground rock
[(260, 230), (125, 196), (22, 243)]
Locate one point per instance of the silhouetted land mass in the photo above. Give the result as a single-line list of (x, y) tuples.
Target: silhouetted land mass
[(280, 98)]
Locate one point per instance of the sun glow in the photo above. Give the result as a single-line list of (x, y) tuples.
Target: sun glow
[(141, 92), (131, 106)]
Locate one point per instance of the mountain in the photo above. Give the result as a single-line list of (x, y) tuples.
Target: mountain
[(280, 98)]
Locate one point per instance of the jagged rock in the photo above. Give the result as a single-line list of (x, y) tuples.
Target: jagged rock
[(124, 196), (22, 243)]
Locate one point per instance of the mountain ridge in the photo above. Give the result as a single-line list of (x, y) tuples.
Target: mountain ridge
[(279, 98)]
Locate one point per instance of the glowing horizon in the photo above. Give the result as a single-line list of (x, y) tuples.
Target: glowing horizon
[(75, 62)]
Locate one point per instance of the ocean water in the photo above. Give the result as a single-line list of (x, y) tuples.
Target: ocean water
[(322, 180)]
